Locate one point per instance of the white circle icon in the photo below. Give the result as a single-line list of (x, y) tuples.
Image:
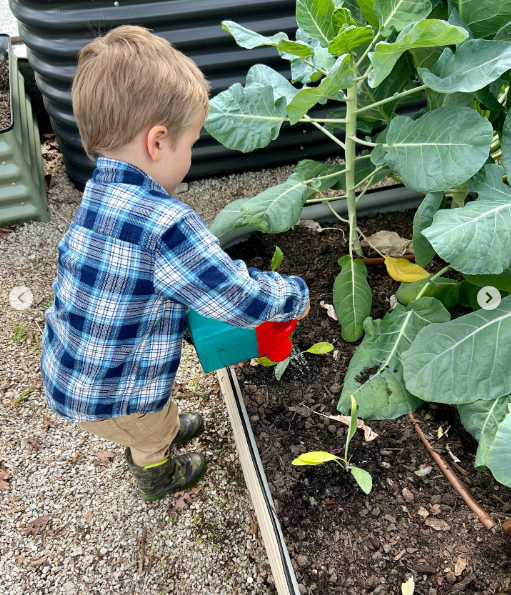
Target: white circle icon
[(21, 297), (488, 297)]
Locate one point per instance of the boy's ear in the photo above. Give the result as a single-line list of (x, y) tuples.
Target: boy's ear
[(155, 139)]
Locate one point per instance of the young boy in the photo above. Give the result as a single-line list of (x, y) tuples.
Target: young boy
[(135, 260)]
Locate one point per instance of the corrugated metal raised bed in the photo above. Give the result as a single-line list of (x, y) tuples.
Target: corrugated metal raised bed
[(22, 187), (56, 31)]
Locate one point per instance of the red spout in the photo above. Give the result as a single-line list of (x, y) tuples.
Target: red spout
[(273, 339)]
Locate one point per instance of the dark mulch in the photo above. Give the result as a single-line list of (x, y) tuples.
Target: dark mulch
[(5, 104), (340, 540)]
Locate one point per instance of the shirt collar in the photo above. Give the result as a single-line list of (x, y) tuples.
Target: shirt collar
[(113, 171)]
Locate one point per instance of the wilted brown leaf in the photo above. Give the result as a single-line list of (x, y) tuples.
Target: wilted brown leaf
[(437, 524), (46, 424), (388, 242), (105, 456), (37, 526)]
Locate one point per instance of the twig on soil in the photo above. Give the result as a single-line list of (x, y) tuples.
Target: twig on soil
[(483, 516), (142, 550)]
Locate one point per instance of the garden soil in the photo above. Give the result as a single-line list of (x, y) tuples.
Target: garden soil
[(5, 105), (340, 540)]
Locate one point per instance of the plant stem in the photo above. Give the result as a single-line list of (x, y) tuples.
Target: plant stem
[(370, 245), (327, 120), (313, 65), (393, 98), (326, 176), (325, 131), (483, 516), (350, 155), (336, 214), (360, 141), (370, 176), (326, 199), (368, 49), (426, 285)]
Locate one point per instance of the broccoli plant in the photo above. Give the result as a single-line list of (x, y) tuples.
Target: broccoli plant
[(369, 57)]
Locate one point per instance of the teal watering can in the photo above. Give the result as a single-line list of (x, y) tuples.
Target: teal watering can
[(219, 344)]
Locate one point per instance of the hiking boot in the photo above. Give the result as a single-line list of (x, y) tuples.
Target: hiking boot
[(170, 475), (191, 425)]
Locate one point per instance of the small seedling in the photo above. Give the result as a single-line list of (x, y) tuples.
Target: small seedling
[(38, 345), (23, 395), (361, 476), (47, 303), (19, 333), (280, 368), (278, 257)]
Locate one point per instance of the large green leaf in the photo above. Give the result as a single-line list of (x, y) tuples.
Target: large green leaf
[(423, 250), (315, 18), (440, 150), (250, 39), (350, 38), (367, 7), (499, 454), (468, 295), (505, 142), (363, 478), (375, 373), (481, 419), (463, 360), (476, 63), (501, 282), (352, 298), (437, 100), (444, 290), (278, 208), (424, 34), (476, 239), (340, 76), (310, 70), (246, 119), (261, 76), (229, 218), (484, 17), (398, 14)]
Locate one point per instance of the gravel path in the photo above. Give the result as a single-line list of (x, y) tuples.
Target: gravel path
[(70, 519), (8, 22)]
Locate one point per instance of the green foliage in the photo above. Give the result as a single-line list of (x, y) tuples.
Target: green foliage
[(444, 290), (463, 360), (375, 373), (277, 259), (462, 236), (443, 148), (365, 58), (424, 34), (476, 63), (424, 251), (352, 298)]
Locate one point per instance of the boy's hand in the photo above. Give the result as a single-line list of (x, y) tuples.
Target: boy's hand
[(305, 312)]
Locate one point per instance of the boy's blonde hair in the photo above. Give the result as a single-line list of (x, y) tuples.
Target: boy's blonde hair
[(130, 79)]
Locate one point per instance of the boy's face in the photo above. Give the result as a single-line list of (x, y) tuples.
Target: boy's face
[(176, 158)]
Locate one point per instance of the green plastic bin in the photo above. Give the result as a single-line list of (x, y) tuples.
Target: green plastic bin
[(22, 185)]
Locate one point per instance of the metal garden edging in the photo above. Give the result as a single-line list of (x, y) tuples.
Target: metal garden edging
[(391, 199), (22, 185)]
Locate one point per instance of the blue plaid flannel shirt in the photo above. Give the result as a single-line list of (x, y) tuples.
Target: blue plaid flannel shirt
[(131, 265)]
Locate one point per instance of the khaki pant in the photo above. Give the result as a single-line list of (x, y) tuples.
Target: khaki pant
[(147, 434)]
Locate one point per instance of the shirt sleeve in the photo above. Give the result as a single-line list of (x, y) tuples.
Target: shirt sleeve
[(191, 269)]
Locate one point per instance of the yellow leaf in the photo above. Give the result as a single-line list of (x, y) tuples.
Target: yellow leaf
[(314, 458), (408, 588), (401, 269)]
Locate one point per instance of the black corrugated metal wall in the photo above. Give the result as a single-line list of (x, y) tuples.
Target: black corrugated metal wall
[(55, 31)]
